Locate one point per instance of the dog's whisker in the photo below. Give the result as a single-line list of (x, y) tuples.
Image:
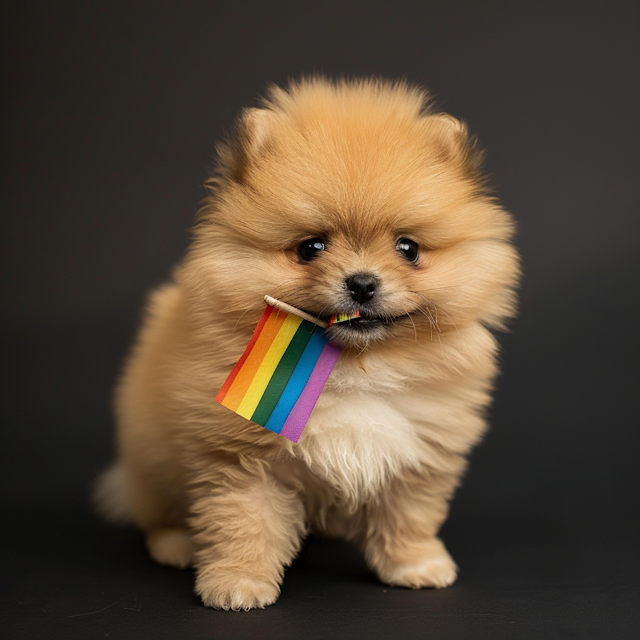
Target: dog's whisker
[(235, 326), (415, 331)]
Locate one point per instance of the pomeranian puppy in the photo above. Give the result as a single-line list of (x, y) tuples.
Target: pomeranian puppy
[(334, 197)]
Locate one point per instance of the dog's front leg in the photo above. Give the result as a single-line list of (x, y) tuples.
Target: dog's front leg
[(400, 529), (248, 529)]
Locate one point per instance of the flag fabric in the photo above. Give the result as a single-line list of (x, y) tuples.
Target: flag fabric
[(279, 378), (343, 317)]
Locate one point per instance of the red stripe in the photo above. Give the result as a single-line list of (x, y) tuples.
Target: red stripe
[(234, 372)]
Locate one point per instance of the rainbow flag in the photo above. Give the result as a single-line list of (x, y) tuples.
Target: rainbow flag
[(279, 378)]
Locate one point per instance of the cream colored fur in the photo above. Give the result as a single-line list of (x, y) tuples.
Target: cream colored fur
[(358, 164)]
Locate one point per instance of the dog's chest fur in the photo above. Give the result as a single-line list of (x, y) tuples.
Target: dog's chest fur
[(370, 426), (358, 437)]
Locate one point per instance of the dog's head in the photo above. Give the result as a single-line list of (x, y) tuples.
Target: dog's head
[(346, 197)]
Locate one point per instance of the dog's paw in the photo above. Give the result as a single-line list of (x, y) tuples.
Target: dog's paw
[(236, 591), (171, 546), (435, 568)]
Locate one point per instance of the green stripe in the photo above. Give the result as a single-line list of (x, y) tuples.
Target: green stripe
[(283, 372)]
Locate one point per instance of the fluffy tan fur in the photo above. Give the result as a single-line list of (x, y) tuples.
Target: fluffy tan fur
[(359, 164)]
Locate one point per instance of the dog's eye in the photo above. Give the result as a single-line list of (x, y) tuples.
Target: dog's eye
[(408, 249), (311, 248)]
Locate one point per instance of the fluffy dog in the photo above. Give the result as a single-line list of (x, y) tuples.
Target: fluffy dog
[(333, 197)]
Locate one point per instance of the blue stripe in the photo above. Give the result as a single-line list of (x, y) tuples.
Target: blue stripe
[(297, 382)]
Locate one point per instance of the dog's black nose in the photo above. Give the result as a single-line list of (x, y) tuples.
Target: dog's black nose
[(361, 286)]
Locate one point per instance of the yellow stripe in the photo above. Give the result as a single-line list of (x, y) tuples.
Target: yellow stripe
[(263, 375)]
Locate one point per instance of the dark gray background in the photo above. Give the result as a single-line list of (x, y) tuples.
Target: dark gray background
[(111, 113)]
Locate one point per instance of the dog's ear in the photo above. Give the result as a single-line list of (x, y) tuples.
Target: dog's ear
[(454, 144), (255, 127), (251, 139)]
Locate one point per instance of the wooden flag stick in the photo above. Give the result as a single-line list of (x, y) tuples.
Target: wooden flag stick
[(289, 309)]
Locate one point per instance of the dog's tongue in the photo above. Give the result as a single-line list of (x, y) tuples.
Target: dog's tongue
[(343, 317)]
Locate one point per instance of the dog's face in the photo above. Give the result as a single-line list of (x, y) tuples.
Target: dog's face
[(350, 198)]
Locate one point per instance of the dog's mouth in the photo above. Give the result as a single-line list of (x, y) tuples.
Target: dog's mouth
[(363, 322), (368, 327)]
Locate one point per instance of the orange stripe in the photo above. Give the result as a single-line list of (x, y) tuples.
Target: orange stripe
[(234, 372), (251, 365)]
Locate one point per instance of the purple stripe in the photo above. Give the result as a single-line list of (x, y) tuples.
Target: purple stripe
[(302, 409)]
